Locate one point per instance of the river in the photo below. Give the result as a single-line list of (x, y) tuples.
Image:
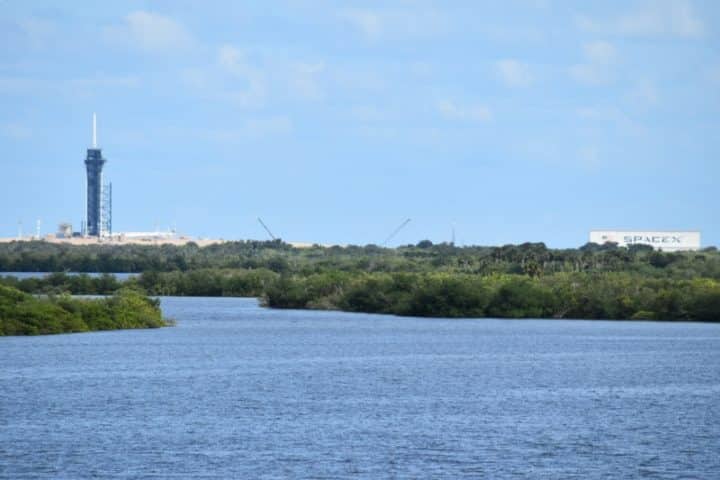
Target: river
[(26, 275), (238, 391)]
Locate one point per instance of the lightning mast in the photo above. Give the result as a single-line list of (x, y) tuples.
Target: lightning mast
[(266, 229), (395, 232)]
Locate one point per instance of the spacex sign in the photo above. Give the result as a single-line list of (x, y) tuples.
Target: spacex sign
[(659, 240)]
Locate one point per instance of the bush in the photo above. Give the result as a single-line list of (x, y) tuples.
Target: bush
[(23, 314)]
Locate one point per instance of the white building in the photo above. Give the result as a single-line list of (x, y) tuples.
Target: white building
[(667, 241)]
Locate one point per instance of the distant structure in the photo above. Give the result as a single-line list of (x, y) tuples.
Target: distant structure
[(667, 241), (106, 211), (395, 232), (266, 229), (64, 231), (98, 221)]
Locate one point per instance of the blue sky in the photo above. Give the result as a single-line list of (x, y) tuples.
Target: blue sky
[(334, 121)]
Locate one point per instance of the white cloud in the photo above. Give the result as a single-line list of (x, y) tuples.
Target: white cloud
[(253, 128), (253, 88), (452, 110), (597, 68), (196, 78), (590, 113), (610, 117), (39, 32), (304, 80), (587, 74), (513, 73), (10, 85), (599, 52), (514, 34), (268, 126), (714, 74), (102, 80), (255, 78), (366, 113), (421, 69), (362, 77), (589, 157), (541, 4), (368, 22), (378, 23), (73, 86), (644, 93), (15, 131), (657, 18), (97, 85), (151, 32)]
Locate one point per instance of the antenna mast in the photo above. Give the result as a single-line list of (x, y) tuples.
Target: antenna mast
[(266, 228), (94, 131), (395, 232)]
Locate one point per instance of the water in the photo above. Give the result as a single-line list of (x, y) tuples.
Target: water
[(236, 391), (24, 275)]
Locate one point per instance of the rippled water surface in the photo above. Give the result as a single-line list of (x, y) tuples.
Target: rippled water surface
[(236, 391), (26, 275)]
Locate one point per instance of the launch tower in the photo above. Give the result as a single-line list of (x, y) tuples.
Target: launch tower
[(95, 202)]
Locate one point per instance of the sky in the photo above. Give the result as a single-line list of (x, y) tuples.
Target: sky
[(514, 121)]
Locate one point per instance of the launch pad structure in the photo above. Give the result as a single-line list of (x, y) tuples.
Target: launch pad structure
[(98, 217)]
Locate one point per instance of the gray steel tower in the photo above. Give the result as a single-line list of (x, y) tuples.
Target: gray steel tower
[(94, 165)]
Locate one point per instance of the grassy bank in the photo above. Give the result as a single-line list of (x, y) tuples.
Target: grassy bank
[(25, 314)]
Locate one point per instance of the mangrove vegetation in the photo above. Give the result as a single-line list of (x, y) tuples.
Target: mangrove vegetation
[(25, 314), (435, 280)]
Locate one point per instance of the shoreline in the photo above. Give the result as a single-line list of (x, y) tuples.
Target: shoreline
[(606, 296)]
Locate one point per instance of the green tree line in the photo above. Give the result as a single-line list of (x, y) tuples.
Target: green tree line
[(587, 295), (25, 314), (564, 295), (533, 259)]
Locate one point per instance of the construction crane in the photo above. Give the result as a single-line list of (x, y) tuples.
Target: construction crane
[(395, 232), (266, 228)]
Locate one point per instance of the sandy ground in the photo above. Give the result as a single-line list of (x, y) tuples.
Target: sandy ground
[(179, 240), (120, 241)]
